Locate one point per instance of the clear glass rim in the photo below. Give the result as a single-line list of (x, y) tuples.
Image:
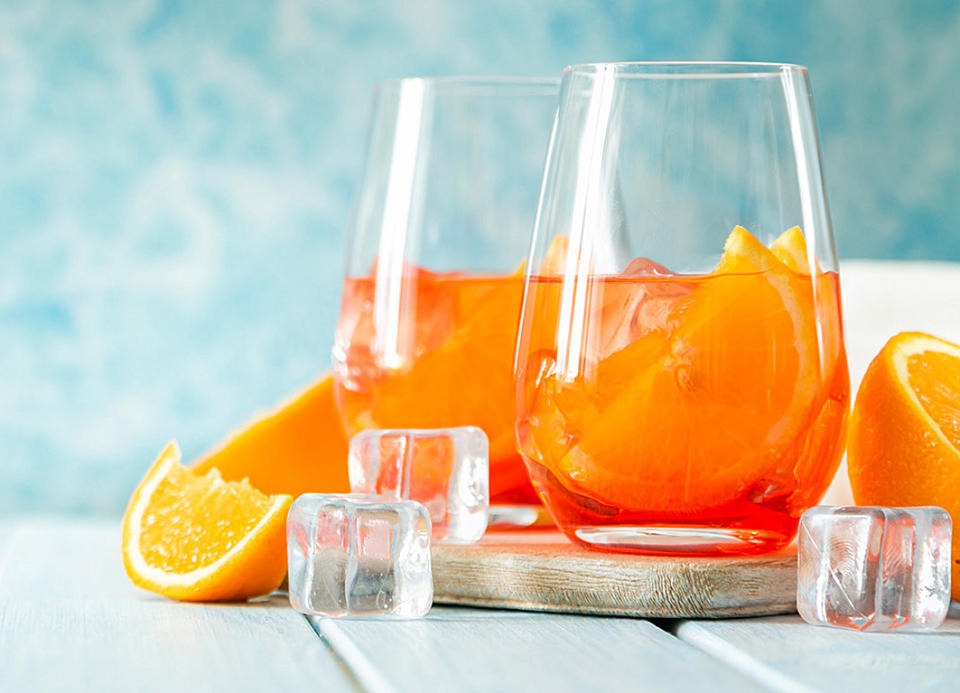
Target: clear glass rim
[(474, 83), (689, 69)]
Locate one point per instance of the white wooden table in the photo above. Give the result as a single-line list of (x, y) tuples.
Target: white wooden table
[(70, 619)]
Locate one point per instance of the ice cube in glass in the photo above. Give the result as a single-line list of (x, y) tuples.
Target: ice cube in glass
[(445, 469), (874, 568), (359, 556)]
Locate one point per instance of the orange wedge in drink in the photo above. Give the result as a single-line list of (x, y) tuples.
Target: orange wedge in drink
[(904, 442), (791, 249), (198, 538), (555, 260), (467, 380), (704, 403)]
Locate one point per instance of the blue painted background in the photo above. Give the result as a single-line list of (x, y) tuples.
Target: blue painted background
[(175, 180)]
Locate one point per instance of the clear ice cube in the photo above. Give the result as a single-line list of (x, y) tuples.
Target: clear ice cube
[(357, 555), (630, 310), (445, 469), (873, 568)]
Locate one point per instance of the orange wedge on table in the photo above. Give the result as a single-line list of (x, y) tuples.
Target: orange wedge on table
[(199, 538), (701, 402), (298, 448), (904, 442), (216, 530)]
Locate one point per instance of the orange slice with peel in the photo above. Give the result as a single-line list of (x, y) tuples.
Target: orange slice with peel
[(555, 260), (903, 447), (300, 447), (791, 249), (199, 538), (691, 414), (467, 380)]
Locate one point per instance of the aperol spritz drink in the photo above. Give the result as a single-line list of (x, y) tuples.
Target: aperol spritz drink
[(453, 367), (434, 280), (695, 401), (682, 382)]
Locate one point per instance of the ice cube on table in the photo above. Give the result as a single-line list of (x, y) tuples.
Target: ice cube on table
[(359, 555), (873, 568), (445, 469)]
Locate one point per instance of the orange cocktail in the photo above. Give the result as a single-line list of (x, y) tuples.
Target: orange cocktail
[(708, 407), (446, 360)]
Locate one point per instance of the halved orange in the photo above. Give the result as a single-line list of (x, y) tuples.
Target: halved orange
[(199, 538), (692, 413), (903, 447), (300, 447)]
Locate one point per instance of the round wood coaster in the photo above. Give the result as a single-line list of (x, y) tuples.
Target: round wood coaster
[(544, 571)]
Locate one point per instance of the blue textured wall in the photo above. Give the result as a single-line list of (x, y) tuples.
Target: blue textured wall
[(175, 180)]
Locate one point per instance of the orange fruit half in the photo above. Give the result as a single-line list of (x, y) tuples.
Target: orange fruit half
[(199, 538), (904, 442)]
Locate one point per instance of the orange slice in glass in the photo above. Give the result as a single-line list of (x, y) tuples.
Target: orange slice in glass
[(791, 249), (466, 381), (690, 415)]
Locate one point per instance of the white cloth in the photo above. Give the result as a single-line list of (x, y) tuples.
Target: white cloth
[(881, 299)]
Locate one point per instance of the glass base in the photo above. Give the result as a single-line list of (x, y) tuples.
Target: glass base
[(658, 539), (507, 517)]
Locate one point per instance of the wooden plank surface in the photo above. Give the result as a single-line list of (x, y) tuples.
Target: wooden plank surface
[(786, 654), (70, 620), (456, 649), (546, 572)]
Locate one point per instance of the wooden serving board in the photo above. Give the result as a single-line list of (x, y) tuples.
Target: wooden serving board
[(544, 571)]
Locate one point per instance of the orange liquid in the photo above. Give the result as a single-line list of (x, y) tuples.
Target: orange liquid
[(690, 402), (446, 359)]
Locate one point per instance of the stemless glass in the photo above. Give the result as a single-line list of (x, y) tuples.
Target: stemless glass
[(440, 231), (682, 382)]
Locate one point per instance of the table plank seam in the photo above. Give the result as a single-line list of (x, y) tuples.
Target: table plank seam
[(105, 634), (361, 669), (345, 667), (747, 665), (671, 626)]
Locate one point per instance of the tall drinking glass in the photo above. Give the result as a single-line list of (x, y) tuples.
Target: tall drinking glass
[(440, 232), (682, 382)]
